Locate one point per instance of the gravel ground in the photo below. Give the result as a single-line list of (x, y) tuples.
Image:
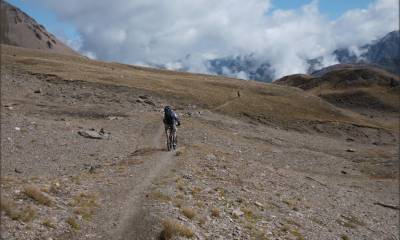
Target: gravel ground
[(231, 178)]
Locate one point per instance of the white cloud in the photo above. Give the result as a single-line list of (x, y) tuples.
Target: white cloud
[(183, 34), (360, 26), (75, 44)]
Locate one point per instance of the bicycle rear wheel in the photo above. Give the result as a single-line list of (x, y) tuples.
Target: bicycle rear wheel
[(175, 144), (170, 142)]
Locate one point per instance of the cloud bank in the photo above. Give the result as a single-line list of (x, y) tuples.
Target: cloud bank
[(181, 34)]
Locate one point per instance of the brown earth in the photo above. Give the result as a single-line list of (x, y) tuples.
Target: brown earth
[(275, 163)]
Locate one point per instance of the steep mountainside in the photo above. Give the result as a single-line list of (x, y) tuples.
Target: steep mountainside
[(384, 52), (19, 29)]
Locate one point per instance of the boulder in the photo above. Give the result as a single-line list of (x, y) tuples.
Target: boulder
[(94, 134)]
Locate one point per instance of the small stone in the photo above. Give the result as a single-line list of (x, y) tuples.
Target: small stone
[(150, 102), (187, 176), (343, 172), (237, 213), (17, 170), (258, 204), (113, 118), (144, 97), (94, 135), (182, 219), (211, 157), (92, 170), (17, 128), (350, 150), (37, 91)]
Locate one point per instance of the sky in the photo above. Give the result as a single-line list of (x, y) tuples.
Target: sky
[(181, 34)]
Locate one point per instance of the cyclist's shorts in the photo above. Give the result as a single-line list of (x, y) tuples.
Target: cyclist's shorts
[(171, 127)]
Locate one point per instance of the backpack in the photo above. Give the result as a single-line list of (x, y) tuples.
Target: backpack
[(169, 116)]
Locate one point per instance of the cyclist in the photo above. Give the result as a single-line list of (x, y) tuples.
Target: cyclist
[(170, 120)]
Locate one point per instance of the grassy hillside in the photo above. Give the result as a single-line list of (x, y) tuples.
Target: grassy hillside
[(366, 90), (282, 106)]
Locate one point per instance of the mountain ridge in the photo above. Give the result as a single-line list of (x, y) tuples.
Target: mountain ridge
[(382, 53), (21, 30)]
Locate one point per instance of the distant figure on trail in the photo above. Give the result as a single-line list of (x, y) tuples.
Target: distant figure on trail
[(170, 120), (238, 93)]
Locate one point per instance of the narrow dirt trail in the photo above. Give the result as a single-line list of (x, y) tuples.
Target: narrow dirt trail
[(239, 93), (224, 104), (132, 223)]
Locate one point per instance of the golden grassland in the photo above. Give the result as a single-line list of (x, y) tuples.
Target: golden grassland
[(268, 103)]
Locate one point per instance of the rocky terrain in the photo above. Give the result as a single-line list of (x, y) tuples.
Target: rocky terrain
[(83, 157)]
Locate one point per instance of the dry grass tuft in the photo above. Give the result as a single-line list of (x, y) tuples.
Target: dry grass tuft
[(36, 194), (293, 222), (344, 237), (248, 214), (76, 179), (297, 234), (173, 228), (73, 223), (200, 204), (48, 223), (84, 204), (9, 207), (318, 221), (178, 203), (26, 214), (189, 212), (179, 196), (196, 190), (258, 234), (215, 212), (55, 187), (159, 196), (180, 184), (202, 220), (179, 152)]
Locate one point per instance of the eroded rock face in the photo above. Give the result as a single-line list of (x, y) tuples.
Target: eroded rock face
[(19, 29)]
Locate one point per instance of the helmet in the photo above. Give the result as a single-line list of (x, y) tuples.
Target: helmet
[(167, 108)]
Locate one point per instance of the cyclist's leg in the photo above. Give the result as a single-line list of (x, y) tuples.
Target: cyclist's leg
[(173, 132), (167, 135)]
